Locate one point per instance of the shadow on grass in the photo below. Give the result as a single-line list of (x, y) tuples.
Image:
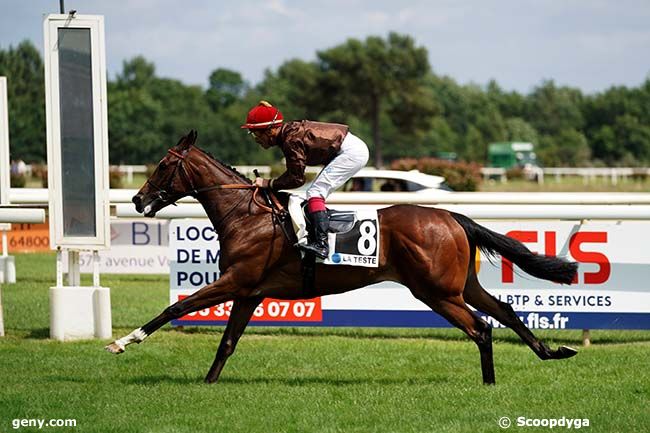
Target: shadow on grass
[(563, 337), (304, 381), (294, 381), (500, 336), (39, 334)]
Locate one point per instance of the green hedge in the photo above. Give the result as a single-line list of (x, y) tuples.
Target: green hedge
[(460, 176)]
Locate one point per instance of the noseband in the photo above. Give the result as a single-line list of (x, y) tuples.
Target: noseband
[(163, 194)]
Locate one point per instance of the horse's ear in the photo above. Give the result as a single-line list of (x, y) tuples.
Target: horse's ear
[(187, 140), (181, 140)]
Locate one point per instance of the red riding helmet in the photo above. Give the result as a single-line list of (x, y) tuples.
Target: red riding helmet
[(262, 116)]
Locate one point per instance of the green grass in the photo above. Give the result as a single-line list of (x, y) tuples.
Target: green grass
[(567, 184), (301, 379)]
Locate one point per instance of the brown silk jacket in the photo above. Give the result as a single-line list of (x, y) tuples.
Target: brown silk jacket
[(307, 143)]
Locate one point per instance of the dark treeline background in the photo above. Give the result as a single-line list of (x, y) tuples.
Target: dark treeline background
[(384, 88)]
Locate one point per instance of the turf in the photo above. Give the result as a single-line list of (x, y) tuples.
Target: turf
[(568, 184), (301, 379)]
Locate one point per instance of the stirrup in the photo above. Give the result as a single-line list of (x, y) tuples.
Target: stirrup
[(320, 252)]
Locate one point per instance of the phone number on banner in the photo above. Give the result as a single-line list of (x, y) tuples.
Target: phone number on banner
[(269, 310)]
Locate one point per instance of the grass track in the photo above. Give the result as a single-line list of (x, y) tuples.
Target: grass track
[(302, 379)]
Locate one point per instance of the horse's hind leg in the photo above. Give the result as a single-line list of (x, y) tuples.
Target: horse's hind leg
[(460, 315), (240, 314), (476, 296)]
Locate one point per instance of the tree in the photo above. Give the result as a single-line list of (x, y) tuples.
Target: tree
[(616, 124), (441, 137), (378, 76), (148, 114), (509, 104), (136, 73), (225, 88), (568, 149), (517, 129), (134, 134), (23, 68), (471, 114), (633, 137), (552, 109)]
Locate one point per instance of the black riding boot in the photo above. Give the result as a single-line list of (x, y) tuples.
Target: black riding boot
[(320, 222)]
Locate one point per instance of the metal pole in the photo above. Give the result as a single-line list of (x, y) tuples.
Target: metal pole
[(59, 268), (61, 6), (95, 268)]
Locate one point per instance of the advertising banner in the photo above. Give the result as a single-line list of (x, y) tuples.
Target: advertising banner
[(611, 290), (137, 247), (29, 238)]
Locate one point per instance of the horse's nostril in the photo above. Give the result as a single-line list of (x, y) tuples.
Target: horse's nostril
[(137, 201)]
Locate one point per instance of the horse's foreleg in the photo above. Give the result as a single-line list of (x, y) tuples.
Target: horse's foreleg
[(220, 291), (240, 314)]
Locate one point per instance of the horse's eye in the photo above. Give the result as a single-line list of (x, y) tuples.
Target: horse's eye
[(162, 165)]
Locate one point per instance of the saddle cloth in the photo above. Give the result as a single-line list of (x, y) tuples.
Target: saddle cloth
[(353, 235)]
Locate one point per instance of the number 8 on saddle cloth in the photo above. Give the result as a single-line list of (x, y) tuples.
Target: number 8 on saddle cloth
[(353, 235)]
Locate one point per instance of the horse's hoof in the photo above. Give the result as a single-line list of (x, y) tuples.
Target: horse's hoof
[(114, 348), (209, 380), (564, 352)]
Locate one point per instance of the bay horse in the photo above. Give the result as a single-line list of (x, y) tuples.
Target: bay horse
[(430, 251)]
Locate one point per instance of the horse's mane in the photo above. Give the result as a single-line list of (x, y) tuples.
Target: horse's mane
[(218, 161)]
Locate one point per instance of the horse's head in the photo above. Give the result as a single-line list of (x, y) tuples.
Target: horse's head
[(170, 180)]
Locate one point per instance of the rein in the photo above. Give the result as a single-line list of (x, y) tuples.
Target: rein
[(165, 196)]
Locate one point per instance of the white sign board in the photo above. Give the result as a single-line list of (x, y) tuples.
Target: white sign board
[(611, 291), (77, 131), (137, 247)]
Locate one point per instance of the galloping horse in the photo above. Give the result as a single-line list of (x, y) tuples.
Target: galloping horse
[(430, 251)]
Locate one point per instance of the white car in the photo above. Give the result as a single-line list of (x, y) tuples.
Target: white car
[(378, 181), (372, 180)]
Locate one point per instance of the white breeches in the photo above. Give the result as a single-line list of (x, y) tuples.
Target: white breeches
[(352, 157)]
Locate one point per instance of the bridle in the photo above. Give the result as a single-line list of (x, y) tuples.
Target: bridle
[(185, 168), (275, 208)]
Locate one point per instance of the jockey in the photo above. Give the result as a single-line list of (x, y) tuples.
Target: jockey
[(305, 143)]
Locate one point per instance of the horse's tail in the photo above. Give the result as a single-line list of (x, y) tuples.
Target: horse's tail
[(538, 265)]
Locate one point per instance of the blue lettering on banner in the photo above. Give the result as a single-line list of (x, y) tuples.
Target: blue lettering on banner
[(197, 279), (193, 233), (213, 259), (514, 299), (194, 256), (188, 256), (580, 301), (143, 232)]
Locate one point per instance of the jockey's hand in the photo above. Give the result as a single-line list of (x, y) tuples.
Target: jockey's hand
[(261, 183)]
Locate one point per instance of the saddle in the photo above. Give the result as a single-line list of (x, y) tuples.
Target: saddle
[(341, 221), (350, 233), (353, 238)]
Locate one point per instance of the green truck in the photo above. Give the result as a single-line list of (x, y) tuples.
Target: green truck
[(511, 154)]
